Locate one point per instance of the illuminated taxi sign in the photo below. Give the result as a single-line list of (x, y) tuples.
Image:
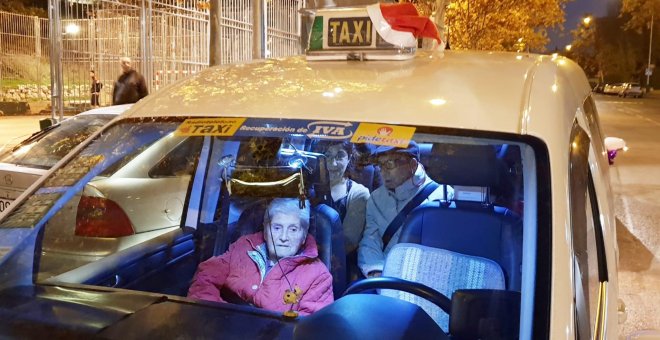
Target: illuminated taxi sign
[(209, 127), (349, 33)]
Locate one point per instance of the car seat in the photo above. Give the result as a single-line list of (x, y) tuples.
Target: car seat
[(443, 270), (486, 230), (491, 234), (470, 243)]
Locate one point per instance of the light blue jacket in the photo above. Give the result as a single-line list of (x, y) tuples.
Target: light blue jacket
[(382, 207)]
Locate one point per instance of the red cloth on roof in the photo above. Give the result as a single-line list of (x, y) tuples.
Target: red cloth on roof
[(404, 17)]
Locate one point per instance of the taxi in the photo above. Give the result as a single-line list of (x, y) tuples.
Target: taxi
[(524, 248)]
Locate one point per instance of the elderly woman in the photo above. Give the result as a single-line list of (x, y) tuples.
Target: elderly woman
[(262, 268)]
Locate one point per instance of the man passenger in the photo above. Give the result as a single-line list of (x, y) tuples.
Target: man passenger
[(404, 180)]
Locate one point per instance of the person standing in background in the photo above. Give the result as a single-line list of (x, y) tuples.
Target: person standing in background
[(95, 89), (130, 86)]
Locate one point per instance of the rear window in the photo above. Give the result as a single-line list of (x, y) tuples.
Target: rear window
[(184, 191), (46, 149)]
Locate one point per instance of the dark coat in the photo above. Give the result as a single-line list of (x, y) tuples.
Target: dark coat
[(129, 88)]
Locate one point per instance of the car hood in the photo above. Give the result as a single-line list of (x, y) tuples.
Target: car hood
[(76, 311)]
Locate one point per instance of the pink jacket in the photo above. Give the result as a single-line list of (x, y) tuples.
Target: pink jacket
[(241, 269)]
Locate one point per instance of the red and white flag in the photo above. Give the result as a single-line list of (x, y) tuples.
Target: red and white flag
[(401, 25)]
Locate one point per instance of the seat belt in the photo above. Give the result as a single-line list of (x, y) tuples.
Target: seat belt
[(397, 222)]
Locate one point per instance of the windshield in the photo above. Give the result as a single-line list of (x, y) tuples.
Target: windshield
[(261, 211), (48, 147)]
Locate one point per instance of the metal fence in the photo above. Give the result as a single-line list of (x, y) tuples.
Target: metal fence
[(283, 28), (167, 40), (24, 53), (235, 30)]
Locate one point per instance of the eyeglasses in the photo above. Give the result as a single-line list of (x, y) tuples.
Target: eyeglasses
[(391, 163), (337, 157)]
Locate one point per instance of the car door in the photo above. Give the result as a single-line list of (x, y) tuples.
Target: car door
[(590, 269)]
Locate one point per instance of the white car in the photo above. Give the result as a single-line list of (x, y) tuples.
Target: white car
[(142, 197), (28, 160), (632, 90), (614, 88), (525, 249)]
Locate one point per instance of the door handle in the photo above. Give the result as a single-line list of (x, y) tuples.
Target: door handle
[(115, 281)]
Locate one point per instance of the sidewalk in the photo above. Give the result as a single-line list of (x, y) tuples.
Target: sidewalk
[(652, 95)]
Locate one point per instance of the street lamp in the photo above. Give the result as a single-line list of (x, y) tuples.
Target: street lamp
[(568, 47), (72, 29), (520, 45), (648, 65), (587, 20)]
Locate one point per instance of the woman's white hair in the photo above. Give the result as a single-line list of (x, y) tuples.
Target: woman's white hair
[(125, 60), (289, 206)]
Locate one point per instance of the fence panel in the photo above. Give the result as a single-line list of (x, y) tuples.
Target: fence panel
[(167, 40), (283, 28), (236, 30), (24, 53)]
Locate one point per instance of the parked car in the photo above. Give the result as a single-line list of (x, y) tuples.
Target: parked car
[(632, 90), (143, 197), (525, 249), (614, 88), (599, 88), (24, 163)]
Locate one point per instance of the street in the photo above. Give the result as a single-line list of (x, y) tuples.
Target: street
[(635, 183), (637, 198), (13, 129)]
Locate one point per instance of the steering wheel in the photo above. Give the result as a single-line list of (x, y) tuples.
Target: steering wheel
[(415, 288)]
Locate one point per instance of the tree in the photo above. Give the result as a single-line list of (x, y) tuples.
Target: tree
[(639, 16), (27, 7), (604, 49), (504, 25), (638, 13), (584, 49)]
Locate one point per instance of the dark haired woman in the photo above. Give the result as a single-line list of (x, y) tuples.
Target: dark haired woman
[(349, 198)]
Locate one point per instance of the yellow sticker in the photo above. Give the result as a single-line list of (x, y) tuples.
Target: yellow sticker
[(381, 134), (209, 127)]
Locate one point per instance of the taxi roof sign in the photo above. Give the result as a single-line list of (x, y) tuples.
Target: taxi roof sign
[(375, 32), (350, 34)]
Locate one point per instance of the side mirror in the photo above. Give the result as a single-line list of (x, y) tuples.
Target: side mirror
[(614, 145)]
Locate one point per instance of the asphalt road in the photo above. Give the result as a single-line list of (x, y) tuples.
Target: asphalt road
[(13, 129), (635, 180)]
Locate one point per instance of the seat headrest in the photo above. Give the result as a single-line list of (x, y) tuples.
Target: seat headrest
[(268, 182), (466, 165)]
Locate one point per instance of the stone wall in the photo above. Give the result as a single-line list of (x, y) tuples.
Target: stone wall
[(31, 92)]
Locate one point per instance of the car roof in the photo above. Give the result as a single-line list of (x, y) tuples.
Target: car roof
[(113, 110), (457, 89)]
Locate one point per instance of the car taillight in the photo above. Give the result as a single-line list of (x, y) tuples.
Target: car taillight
[(101, 217)]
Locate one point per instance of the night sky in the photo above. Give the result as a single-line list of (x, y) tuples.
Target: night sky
[(575, 11)]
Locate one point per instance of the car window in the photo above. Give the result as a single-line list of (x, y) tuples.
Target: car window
[(212, 182), (181, 161), (48, 148), (590, 270)]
